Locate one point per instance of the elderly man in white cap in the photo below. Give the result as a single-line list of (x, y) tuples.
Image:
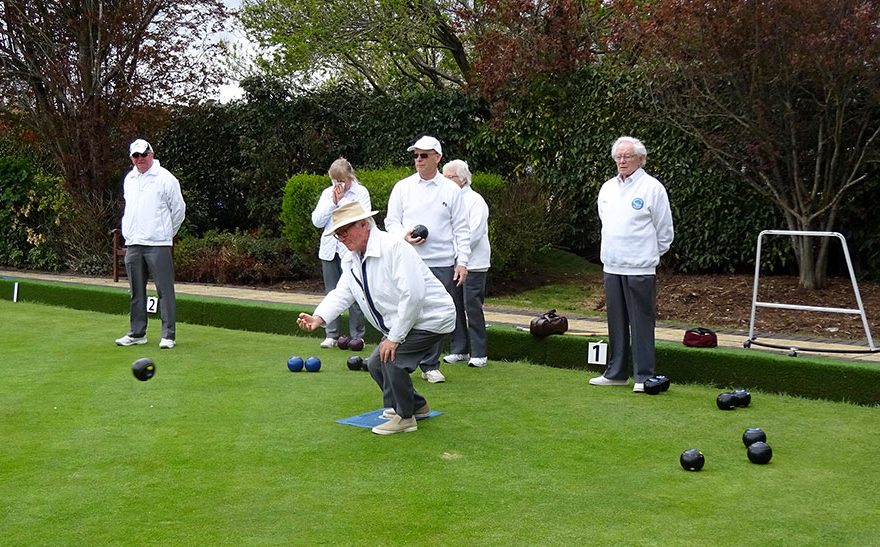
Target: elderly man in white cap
[(154, 211), (399, 296), (429, 199)]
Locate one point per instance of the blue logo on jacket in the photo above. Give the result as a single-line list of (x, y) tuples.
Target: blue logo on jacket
[(638, 203)]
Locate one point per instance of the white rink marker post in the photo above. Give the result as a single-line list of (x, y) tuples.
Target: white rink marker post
[(15, 292)]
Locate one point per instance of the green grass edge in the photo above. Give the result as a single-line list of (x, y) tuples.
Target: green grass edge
[(809, 377)]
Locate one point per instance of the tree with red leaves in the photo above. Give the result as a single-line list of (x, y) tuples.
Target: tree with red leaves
[(78, 72), (784, 93)]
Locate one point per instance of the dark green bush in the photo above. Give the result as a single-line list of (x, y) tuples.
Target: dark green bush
[(237, 258)]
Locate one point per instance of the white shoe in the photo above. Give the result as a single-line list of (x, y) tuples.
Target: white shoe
[(387, 414), (328, 343), (434, 376), (638, 387), (456, 358), (128, 340), (166, 343), (603, 381), (478, 362)]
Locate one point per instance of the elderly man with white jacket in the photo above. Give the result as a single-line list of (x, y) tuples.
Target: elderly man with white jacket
[(154, 211)]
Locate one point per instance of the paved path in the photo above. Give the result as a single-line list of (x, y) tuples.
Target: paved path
[(579, 326)]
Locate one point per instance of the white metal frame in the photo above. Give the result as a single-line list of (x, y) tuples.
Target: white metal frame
[(752, 339)]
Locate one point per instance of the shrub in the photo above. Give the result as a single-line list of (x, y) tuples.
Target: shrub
[(237, 258), (33, 216)]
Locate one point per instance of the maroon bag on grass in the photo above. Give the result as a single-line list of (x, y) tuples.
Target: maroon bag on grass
[(547, 324), (700, 338)]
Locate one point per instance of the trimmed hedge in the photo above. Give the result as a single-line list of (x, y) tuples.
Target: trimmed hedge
[(853, 382)]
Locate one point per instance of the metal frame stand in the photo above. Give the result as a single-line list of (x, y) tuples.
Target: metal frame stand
[(792, 351)]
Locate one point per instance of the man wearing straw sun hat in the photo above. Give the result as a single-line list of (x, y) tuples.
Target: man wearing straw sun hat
[(399, 296)]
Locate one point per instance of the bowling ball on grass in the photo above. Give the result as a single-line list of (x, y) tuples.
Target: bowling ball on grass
[(354, 362), (295, 363), (760, 452), (313, 364), (143, 369), (692, 459)]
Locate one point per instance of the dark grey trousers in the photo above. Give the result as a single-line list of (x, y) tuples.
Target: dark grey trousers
[(140, 262), (469, 336), (393, 378), (445, 275), (332, 270), (631, 302)]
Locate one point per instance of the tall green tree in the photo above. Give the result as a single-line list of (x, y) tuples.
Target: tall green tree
[(382, 45), (784, 93)]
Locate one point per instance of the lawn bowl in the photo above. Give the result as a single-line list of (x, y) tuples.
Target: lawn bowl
[(295, 363), (354, 362), (754, 435), (313, 364), (342, 342), (742, 398), (420, 231), (653, 385), (725, 401), (356, 344), (143, 369), (760, 453), (692, 459)]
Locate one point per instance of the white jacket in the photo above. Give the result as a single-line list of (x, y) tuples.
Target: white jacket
[(403, 293), (478, 220), (437, 205), (636, 224), (154, 207), (322, 217)]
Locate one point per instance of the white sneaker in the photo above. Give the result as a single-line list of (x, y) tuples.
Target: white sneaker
[(128, 340), (478, 362), (456, 358), (328, 343), (387, 414), (638, 387), (434, 376), (603, 381), (166, 343)]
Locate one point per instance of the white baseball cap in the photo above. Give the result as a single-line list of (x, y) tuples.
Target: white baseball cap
[(139, 146), (427, 143)]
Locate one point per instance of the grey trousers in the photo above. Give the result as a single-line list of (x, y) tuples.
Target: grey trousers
[(393, 378), (332, 270), (469, 336), (141, 261), (445, 275), (631, 301)]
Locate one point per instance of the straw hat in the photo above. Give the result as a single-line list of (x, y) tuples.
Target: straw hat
[(349, 213)]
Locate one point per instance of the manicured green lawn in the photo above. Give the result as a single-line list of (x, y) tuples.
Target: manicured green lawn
[(568, 283), (225, 446)]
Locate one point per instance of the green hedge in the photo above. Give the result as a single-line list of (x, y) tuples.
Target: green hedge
[(811, 377)]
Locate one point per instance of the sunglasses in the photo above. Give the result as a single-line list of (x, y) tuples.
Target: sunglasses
[(343, 232), (138, 155), (423, 155)]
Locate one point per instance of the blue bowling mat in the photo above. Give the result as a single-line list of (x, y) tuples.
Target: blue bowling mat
[(371, 419)]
